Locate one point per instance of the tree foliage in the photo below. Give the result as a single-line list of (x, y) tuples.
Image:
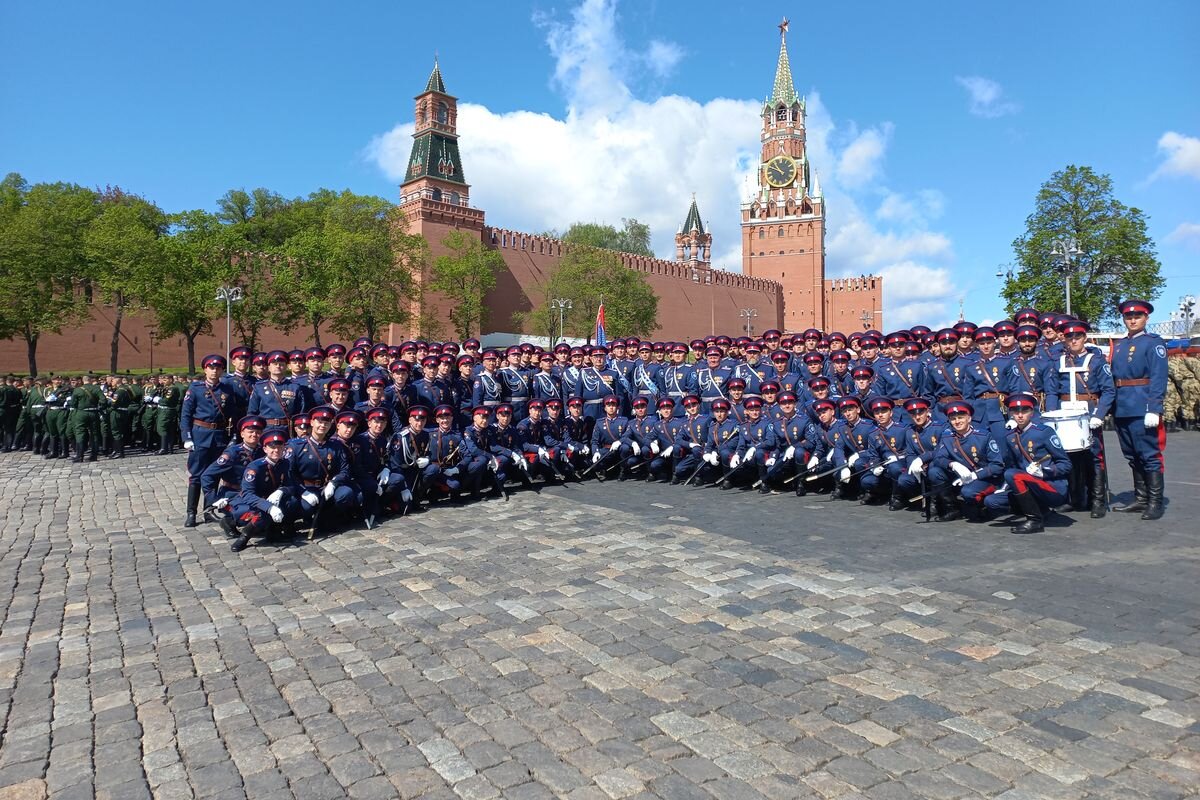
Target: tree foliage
[(1118, 258), (196, 259), (632, 237), (43, 229), (588, 276), (465, 276)]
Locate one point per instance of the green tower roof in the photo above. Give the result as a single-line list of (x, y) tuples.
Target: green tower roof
[(692, 222), (435, 84), (784, 90)]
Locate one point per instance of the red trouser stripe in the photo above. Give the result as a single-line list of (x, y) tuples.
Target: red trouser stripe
[(980, 495), (1024, 480), (1162, 445)]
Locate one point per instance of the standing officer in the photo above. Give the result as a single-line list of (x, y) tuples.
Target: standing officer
[(56, 418), (85, 422), (278, 398), (1088, 375), (204, 426), (124, 406), (1033, 372), (1139, 370), (166, 411)]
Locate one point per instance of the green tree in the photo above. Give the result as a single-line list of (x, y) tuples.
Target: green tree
[(123, 254), (588, 276), (633, 236), (1117, 259), (42, 257), (465, 276), (196, 257)]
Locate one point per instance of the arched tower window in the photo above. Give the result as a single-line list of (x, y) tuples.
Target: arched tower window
[(781, 113), (443, 112), (762, 233), (437, 194), (454, 198), (780, 230)]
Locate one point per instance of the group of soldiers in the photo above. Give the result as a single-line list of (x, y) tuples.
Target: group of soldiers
[(958, 422), (89, 415)]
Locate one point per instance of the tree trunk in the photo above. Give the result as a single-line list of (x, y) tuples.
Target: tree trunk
[(116, 337), (31, 340), (191, 347), (316, 323)]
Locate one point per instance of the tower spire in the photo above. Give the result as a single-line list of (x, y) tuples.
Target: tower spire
[(784, 90), (692, 221), (435, 84)]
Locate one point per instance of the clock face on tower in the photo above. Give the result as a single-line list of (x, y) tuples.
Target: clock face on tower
[(781, 171)]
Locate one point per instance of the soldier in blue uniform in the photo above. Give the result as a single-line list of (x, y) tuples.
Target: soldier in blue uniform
[(489, 389), (987, 382), (1139, 371), (856, 441), (640, 433), (644, 374), (446, 471), (204, 426), (722, 443), (607, 445), (1085, 384), (690, 439), (338, 391), (752, 371), (597, 383), (708, 379), (408, 456), (886, 456), (400, 394), (969, 463), (377, 401), (757, 445), (865, 385), (817, 390), (478, 442), (674, 378), (429, 391), (371, 471), (277, 399), (322, 471), (662, 445), (922, 438), (576, 434), (516, 385), (240, 380), (222, 480), (796, 440), (945, 376), (311, 382), (840, 374), (269, 497), (1040, 467), (1033, 371), (544, 384), (509, 444), (904, 378), (537, 441), (831, 443)]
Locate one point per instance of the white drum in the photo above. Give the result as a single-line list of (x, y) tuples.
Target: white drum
[(1071, 427)]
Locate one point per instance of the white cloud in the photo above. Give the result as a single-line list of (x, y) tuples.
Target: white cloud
[(613, 155), (986, 96), (1186, 234), (861, 160), (1182, 155)]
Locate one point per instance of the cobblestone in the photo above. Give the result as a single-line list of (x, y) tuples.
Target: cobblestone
[(584, 644)]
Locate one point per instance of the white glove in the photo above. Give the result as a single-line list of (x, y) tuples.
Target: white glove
[(189, 445), (406, 496), (916, 467), (637, 448), (614, 447), (224, 501), (587, 448), (329, 489), (877, 471), (959, 470), (422, 462), (852, 460), (276, 513), (1151, 420), (749, 455), (734, 462), (696, 446), (668, 451), (812, 462), (450, 473), (494, 464), (654, 448), (892, 459), (522, 464), (829, 456), (711, 458), (771, 461), (1011, 424), (543, 454), (273, 498), (1034, 469), (844, 475), (516, 457), (310, 498), (1095, 423), (156, 400), (50, 398), (385, 475), (789, 454), (595, 458)]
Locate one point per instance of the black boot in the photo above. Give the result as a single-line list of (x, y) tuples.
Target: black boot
[(763, 488), (1154, 496), (801, 484), (193, 501), (164, 448), (1099, 491), (946, 507), (239, 544), (95, 443), (228, 526), (1139, 495), (1025, 503), (896, 502), (78, 459)]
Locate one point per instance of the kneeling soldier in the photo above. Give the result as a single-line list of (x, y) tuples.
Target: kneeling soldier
[(268, 501)]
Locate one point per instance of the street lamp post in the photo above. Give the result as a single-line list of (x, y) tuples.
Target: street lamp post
[(1187, 309), (749, 314), (1068, 250), (866, 318), (563, 305), (229, 295), (151, 333)]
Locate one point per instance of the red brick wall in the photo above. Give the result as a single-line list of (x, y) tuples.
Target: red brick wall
[(847, 298)]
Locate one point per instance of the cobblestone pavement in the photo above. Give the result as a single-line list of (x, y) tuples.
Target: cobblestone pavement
[(598, 641)]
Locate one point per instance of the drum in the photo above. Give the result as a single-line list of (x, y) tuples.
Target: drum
[(1071, 427)]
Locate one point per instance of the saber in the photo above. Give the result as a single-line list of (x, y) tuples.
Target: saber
[(703, 463)]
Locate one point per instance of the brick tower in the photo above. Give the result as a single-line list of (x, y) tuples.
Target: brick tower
[(435, 195), (693, 243), (783, 220)]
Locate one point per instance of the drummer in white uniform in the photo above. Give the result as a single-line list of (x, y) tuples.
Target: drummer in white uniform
[(1086, 396)]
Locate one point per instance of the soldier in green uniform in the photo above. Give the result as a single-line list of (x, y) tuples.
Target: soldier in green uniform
[(124, 405), (56, 418), (166, 420), (10, 409), (31, 425), (85, 402), (147, 414)]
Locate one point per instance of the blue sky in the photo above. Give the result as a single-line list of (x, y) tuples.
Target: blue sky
[(931, 125)]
